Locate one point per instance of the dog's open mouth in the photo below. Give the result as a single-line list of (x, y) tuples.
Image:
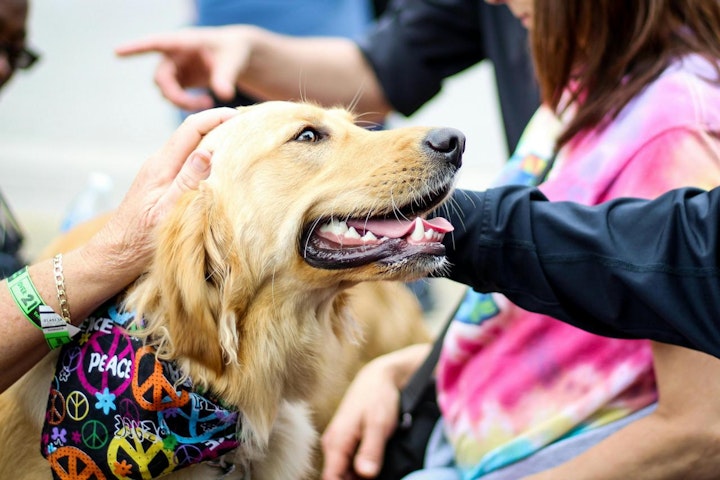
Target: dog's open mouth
[(353, 243), (336, 244)]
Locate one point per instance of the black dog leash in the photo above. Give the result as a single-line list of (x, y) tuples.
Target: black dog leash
[(412, 393)]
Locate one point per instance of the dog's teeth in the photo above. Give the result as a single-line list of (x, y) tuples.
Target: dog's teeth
[(369, 237), (433, 235), (351, 233), (419, 231), (334, 226)]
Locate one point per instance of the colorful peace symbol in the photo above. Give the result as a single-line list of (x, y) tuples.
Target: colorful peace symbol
[(77, 405), (145, 450), (56, 407), (127, 408), (197, 422), (94, 434), (71, 463), (114, 345), (148, 379), (69, 360), (188, 455)]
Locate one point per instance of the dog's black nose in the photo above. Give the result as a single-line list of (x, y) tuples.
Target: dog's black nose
[(447, 144)]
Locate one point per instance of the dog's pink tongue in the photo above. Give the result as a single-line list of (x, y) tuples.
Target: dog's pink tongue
[(399, 228)]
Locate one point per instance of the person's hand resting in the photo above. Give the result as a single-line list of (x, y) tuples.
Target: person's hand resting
[(354, 441)]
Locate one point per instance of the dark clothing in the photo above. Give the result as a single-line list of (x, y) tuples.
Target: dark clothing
[(9, 264), (418, 43), (626, 268), (11, 241)]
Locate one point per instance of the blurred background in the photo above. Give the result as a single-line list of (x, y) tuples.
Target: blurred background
[(81, 109)]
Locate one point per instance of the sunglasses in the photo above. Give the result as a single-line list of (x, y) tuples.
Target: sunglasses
[(19, 57)]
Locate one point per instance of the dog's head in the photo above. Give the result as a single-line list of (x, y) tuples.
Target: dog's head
[(301, 203), (305, 185)]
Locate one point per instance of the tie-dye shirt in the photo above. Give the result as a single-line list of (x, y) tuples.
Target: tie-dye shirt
[(511, 382)]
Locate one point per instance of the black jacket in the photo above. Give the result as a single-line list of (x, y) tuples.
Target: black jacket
[(417, 44), (626, 268)]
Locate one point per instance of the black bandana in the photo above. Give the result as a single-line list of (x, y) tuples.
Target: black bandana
[(116, 411)]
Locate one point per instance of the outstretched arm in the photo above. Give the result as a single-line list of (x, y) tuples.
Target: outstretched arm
[(265, 65), (626, 268)]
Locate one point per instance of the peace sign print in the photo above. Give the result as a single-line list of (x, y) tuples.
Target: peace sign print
[(106, 362), (127, 408), (199, 421), (69, 360), (145, 453), (71, 463), (56, 407), (95, 434), (188, 455), (77, 405), (151, 388)]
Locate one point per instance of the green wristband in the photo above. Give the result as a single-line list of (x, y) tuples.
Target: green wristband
[(26, 295)]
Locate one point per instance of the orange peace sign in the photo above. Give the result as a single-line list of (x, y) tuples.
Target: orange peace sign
[(156, 384), (56, 409), (71, 463), (77, 405), (132, 446)]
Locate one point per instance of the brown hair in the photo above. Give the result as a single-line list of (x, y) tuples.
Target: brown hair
[(607, 51)]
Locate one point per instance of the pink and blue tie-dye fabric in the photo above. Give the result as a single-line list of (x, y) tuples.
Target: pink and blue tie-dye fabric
[(511, 382)]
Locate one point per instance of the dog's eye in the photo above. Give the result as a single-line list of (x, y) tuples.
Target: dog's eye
[(308, 134)]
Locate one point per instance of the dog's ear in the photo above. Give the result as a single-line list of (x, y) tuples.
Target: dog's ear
[(187, 297)]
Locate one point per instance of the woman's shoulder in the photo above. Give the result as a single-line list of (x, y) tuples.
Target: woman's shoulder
[(686, 94)]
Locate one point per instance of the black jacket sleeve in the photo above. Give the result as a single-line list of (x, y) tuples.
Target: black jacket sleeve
[(416, 44), (626, 268)]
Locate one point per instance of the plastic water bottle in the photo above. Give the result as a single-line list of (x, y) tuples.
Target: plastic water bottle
[(94, 199)]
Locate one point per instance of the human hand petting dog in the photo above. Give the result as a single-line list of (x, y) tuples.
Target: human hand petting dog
[(117, 254), (354, 441), (125, 243)]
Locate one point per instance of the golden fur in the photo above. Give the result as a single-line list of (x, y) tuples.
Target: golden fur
[(232, 296)]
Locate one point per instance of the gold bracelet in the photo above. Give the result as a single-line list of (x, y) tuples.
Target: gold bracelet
[(60, 285)]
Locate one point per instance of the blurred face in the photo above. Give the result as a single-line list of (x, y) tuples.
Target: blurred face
[(522, 9), (13, 14)]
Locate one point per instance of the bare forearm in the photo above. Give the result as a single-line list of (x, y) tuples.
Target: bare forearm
[(88, 283), (650, 448), (330, 71), (404, 362)]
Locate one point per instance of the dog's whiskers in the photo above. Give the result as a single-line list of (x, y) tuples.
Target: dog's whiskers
[(395, 207), (368, 124), (453, 204), (356, 98), (302, 87), (312, 229)]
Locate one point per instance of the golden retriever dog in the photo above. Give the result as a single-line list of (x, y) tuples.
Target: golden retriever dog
[(249, 301)]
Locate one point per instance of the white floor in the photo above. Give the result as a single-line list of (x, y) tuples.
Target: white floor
[(81, 109)]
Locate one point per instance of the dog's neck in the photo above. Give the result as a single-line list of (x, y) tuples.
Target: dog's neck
[(282, 345)]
